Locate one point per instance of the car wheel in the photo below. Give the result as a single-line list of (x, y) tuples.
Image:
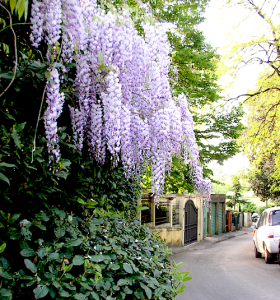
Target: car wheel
[(267, 256), (257, 253)]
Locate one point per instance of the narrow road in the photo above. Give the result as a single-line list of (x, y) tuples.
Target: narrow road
[(229, 271)]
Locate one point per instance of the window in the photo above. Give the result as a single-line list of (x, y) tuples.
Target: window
[(275, 217)]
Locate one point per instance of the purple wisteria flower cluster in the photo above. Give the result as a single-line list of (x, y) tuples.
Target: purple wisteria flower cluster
[(55, 101), (124, 100)]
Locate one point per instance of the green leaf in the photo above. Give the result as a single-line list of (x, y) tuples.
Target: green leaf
[(60, 213), (5, 274), (41, 226), (25, 277), (73, 243), (13, 4), (57, 285), (14, 218), (127, 290), (53, 256), (5, 293), (40, 291), (122, 282), (25, 9), (148, 291), (8, 115), (8, 75), (20, 8), (121, 252), (4, 178), (20, 126), (85, 286), (3, 164), (94, 295), (79, 296), (27, 252), (16, 138), (15, 235), (64, 294), (127, 268), (29, 265), (78, 260), (68, 268), (62, 174), (114, 267), (42, 216), (57, 65), (31, 282), (59, 232), (99, 258), (158, 291), (81, 201), (42, 252), (2, 247)]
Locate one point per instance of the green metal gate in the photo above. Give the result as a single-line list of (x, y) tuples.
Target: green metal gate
[(221, 216), (213, 219), (205, 221)]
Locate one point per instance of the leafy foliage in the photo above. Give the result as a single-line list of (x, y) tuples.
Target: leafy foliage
[(50, 246), (234, 199), (194, 73), (95, 255), (260, 140), (263, 183), (248, 207), (78, 177), (262, 48)]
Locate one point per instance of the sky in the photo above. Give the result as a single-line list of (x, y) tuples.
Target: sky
[(219, 32)]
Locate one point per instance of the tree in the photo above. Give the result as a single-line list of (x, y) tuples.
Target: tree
[(194, 73), (262, 48), (248, 207), (237, 189), (264, 185), (260, 140)]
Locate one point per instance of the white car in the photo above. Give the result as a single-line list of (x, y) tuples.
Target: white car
[(267, 234)]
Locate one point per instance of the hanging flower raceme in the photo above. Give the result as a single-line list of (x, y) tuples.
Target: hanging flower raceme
[(55, 101), (124, 103)]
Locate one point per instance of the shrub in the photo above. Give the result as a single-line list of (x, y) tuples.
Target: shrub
[(248, 207), (96, 255), (262, 208)]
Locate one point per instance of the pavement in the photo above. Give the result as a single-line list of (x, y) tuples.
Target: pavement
[(211, 240)]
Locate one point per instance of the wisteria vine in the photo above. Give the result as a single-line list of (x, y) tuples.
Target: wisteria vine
[(124, 101)]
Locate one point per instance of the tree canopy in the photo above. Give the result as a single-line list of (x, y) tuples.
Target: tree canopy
[(262, 47), (260, 140), (194, 69)]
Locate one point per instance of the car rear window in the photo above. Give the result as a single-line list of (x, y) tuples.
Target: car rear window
[(275, 217)]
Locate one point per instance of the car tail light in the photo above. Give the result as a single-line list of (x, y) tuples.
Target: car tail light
[(254, 232), (270, 237)]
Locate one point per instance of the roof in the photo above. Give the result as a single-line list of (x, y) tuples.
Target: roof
[(273, 208)]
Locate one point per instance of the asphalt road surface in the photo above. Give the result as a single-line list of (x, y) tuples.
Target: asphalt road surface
[(229, 271)]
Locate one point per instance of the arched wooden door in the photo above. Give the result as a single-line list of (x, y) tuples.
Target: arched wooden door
[(190, 222)]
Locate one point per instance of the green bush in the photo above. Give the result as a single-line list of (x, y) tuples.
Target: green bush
[(248, 207), (93, 256), (262, 208)]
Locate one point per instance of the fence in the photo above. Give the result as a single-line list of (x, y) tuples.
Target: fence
[(146, 201), (162, 212), (175, 213)]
